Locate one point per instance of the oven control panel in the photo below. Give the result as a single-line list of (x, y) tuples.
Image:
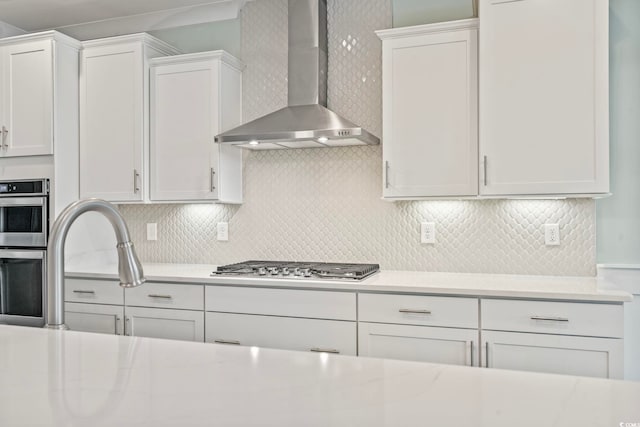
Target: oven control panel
[(27, 187)]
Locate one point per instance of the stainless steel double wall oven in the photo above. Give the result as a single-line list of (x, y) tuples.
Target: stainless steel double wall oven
[(24, 226)]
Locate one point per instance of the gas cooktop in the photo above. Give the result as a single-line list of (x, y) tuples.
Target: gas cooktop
[(297, 270)]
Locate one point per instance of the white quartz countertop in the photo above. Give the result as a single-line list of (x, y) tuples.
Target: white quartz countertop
[(66, 378), (488, 285)]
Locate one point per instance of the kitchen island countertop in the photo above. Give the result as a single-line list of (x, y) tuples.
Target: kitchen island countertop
[(66, 378), (467, 284)]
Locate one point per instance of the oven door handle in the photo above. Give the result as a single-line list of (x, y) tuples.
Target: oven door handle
[(22, 201), (21, 254)]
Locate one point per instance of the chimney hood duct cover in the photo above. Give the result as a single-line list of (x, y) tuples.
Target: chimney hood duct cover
[(305, 122)]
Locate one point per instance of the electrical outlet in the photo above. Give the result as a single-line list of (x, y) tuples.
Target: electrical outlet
[(551, 234), (152, 231), (428, 232), (223, 231)]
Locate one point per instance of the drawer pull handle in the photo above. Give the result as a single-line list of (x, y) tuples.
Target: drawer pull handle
[(160, 296), (409, 311), (486, 354), (80, 291), (551, 319), (232, 342), (324, 350)]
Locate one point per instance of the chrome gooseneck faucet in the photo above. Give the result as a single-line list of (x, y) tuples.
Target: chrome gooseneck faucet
[(129, 267)]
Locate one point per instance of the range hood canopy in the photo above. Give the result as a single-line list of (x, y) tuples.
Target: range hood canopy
[(305, 122)]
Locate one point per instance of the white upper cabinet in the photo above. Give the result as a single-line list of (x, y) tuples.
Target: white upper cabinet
[(114, 116), (430, 129), (193, 98), (37, 72), (544, 105)]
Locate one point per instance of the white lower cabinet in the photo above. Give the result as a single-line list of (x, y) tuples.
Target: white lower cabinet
[(451, 346), (104, 319), (291, 319), (157, 310), (185, 325), (289, 333), (569, 355), (424, 328), (564, 337)]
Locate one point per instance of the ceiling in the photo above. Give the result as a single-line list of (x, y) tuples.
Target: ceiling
[(36, 15)]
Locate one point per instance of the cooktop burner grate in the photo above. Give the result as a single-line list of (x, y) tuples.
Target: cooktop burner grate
[(298, 270)]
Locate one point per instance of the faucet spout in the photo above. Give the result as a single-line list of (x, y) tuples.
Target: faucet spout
[(129, 267)]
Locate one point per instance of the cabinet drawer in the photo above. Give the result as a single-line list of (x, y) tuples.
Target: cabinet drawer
[(282, 332), (566, 318), (93, 291), (282, 302), (166, 295), (418, 310)]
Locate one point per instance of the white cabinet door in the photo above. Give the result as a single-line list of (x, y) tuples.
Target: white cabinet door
[(544, 97), (183, 126), (165, 323), (193, 97), (112, 122), (27, 98), (430, 141), (289, 333), (419, 343), (558, 354), (105, 319)]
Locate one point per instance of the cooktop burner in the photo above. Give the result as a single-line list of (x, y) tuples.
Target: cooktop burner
[(298, 270)]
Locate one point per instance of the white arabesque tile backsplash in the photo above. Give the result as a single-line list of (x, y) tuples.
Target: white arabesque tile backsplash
[(324, 204)]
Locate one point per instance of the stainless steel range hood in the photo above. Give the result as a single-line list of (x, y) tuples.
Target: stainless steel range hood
[(305, 122)]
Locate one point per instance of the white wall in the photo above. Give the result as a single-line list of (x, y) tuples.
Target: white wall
[(618, 217)]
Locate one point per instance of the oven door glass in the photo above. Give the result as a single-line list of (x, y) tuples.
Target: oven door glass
[(21, 283), (23, 221)]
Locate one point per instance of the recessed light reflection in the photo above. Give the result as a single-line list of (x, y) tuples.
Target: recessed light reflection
[(255, 352), (253, 142), (323, 139), (324, 359)]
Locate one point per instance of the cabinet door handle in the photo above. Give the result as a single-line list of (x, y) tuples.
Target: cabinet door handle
[(486, 354), (118, 325), (136, 175), (213, 180), (411, 311), (471, 345), (80, 291), (232, 342), (127, 326), (5, 132), (484, 170), (324, 350), (550, 319), (160, 296), (386, 174)]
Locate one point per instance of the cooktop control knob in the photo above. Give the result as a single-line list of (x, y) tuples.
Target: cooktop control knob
[(285, 271), (307, 272), (297, 272), (262, 271)]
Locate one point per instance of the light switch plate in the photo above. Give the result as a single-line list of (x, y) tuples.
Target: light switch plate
[(152, 231), (223, 231)]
